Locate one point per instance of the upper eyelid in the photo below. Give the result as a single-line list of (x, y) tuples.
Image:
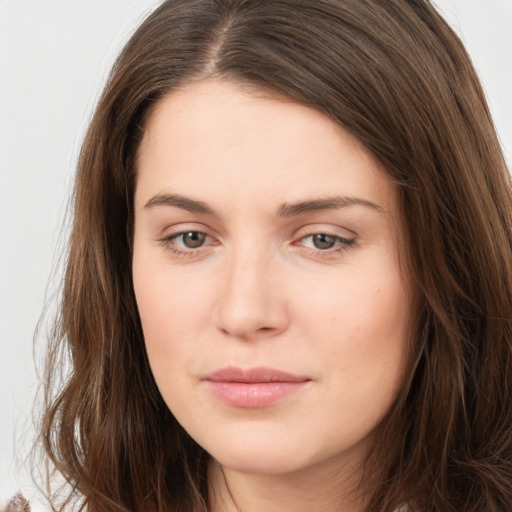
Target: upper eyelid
[(184, 227), (303, 232), (332, 230), (337, 237)]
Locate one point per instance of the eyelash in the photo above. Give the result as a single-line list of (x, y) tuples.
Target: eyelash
[(341, 244)]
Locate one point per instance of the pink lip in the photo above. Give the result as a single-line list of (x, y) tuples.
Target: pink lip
[(254, 387)]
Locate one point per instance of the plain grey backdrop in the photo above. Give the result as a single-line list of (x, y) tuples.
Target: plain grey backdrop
[(54, 59)]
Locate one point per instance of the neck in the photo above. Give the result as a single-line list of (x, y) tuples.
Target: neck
[(322, 489)]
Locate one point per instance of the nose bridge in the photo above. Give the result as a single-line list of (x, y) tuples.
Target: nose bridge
[(250, 303)]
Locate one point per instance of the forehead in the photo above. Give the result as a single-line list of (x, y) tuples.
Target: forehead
[(216, 139)]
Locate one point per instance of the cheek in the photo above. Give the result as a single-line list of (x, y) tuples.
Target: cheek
[(170, 303), (358, 301), (367, 345), (156, 309), (163, 305), (363, 325), (170, 310), (175, 309)]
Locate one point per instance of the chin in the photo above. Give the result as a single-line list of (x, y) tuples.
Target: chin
[(261, 463), (257, 455)]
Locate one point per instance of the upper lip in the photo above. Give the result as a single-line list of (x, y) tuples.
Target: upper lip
[(254, 375)]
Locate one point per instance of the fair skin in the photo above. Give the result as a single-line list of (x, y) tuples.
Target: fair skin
[(274, 308)]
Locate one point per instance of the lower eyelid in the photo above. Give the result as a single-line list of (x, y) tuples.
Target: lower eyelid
[(334, 253)]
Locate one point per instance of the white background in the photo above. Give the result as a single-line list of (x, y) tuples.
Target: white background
[(54, 58)]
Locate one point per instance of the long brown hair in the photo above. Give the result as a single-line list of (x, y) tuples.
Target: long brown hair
[(396, 76)]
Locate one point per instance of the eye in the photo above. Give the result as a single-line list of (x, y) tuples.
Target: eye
[(323, 241), (326, 243), (191, 239), (187, 243)]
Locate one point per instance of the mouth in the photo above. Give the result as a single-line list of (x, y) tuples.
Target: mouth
[(253, 387)]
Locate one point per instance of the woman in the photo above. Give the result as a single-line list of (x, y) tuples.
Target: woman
[(289, 283)]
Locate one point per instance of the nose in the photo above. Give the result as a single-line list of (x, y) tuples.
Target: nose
[(252, 300)]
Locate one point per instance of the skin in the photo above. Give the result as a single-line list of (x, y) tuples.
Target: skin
[(253, 286)]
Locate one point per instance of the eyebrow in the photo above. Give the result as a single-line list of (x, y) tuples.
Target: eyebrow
[(185, 203), (284, 210), (318, 205)]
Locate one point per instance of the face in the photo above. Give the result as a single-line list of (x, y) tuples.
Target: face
[(266, 273)]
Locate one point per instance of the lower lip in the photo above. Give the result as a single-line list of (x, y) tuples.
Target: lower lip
[(253, 394)]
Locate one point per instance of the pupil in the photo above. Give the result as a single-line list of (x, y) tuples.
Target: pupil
[(323, 241), (193, 239)]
